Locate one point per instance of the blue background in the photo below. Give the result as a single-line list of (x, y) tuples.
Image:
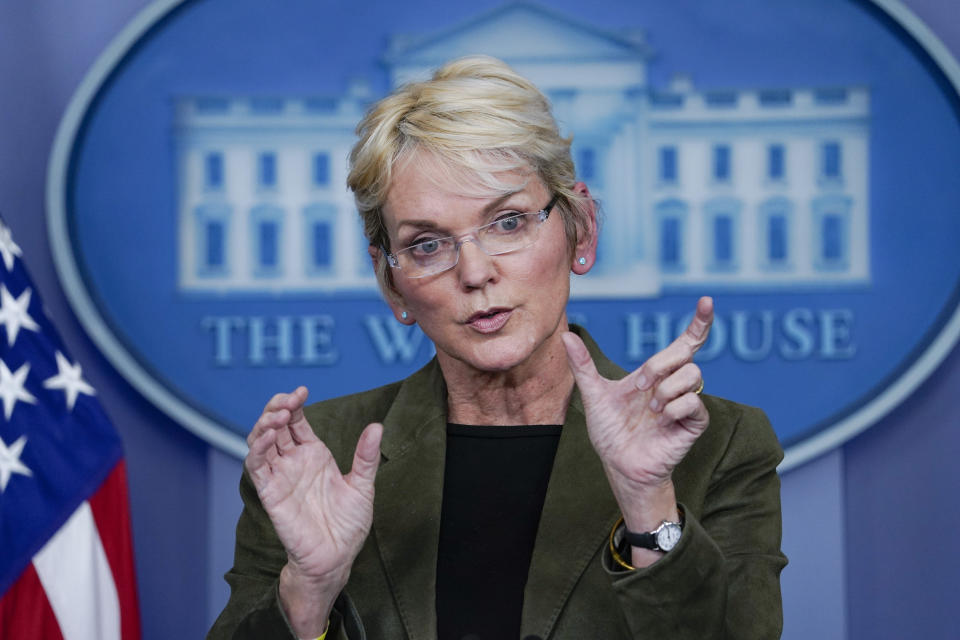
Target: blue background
[(869, 527), (123, 179)]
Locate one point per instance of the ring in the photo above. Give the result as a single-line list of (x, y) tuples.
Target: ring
[(699, 388)]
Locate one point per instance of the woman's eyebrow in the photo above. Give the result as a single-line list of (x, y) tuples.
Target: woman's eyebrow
[(505, 199), (427, 223), (418, 224)]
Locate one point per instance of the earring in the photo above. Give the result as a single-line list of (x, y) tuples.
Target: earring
[(582, 260), (403, 314)]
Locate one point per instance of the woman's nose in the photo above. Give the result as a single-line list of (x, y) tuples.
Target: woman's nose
[(474, 267)]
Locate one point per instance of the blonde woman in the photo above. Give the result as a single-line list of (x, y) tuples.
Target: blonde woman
[(520, 485)]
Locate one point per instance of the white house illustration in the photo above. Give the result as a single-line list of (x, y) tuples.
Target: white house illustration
[(701, 188)]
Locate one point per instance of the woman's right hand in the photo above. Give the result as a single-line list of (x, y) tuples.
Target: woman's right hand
[(321, 516)]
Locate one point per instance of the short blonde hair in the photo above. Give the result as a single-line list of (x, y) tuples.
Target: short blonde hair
[(475, 115)]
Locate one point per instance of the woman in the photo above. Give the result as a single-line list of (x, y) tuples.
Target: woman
[(520, 485)]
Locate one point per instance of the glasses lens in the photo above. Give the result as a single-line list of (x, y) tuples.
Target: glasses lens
[(510, 233), (428, 257)]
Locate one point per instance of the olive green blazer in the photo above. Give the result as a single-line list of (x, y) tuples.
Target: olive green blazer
[(721, 581)]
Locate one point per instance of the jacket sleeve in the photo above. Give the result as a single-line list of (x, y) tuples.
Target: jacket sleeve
[(722, 580), (253, 611)]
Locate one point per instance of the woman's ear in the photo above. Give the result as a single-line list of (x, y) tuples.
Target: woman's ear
[(585, 253), (400, 312), (390, 293), (402, 315)]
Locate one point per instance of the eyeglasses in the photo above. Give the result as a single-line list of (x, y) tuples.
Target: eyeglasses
[(429, 255)]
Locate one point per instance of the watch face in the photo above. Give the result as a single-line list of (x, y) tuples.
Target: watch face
[(668, 536)]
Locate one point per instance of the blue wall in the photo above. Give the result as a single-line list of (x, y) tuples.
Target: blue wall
[(868, 527)]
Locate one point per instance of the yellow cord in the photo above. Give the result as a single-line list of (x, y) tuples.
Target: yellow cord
[(613, 549)]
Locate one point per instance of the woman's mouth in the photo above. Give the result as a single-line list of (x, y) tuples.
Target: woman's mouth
[(489, 320)]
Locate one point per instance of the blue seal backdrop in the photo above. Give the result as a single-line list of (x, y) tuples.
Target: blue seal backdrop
[(210, 344)]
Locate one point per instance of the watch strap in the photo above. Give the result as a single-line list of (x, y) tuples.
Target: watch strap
[(646, 540)]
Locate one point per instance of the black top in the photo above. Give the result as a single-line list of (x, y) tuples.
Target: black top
[(495, 480)]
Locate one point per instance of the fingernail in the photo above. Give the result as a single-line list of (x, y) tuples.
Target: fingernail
[(642, 382), (654, 405)]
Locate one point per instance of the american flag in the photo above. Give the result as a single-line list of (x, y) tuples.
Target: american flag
[(66, 558)]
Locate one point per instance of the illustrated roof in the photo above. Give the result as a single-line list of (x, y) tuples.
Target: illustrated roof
[(505, 32)]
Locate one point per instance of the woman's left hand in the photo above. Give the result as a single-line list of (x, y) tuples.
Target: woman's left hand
[(644, 424)]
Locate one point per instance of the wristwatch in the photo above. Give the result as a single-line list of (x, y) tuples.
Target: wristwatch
[(663, 538)]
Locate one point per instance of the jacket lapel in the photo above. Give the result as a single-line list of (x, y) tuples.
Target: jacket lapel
[(577, 516), (578, 511), (409, 493)]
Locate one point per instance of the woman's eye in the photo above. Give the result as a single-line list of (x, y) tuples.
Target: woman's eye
[(511, 223), (425, 247)]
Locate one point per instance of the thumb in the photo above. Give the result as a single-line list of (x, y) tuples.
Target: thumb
[(584, 371), (366, 458)]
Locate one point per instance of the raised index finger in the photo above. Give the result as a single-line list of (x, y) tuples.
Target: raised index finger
[(680, 351)]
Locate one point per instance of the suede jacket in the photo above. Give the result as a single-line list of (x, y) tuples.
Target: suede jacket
[(720, 581)]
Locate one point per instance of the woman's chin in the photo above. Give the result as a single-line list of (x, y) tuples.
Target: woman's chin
[(495, 363), (500, 355)]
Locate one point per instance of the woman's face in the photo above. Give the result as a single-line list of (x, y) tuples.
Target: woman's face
[(487, 313)]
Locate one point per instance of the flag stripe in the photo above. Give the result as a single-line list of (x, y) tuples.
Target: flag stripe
[(74, 572), (25, 611), (110, 506)]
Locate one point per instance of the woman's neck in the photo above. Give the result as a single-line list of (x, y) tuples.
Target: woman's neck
[(535, 392)]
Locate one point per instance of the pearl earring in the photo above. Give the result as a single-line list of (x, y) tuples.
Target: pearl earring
[(403, 314), (582, 260)]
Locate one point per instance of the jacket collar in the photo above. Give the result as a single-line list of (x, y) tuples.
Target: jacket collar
[(408, 496), (578, 511)]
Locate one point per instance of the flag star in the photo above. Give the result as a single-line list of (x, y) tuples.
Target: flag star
[(10, 461), (8, 248), (14, 314), (70, 379), (11, 387)]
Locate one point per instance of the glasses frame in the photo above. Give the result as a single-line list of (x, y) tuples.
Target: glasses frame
[(542, 216)]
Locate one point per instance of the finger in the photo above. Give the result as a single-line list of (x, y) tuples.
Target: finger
[(282, 424), (261, 450), (301, 430), (366, 459), (688, 411), (681, 350), (584, 370), (285, 440), (268, 421), (296, 403), (686, 379), (289, 405), (289, 401), (696, 333)]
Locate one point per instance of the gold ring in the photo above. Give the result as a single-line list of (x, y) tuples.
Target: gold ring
[(699, 388)]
